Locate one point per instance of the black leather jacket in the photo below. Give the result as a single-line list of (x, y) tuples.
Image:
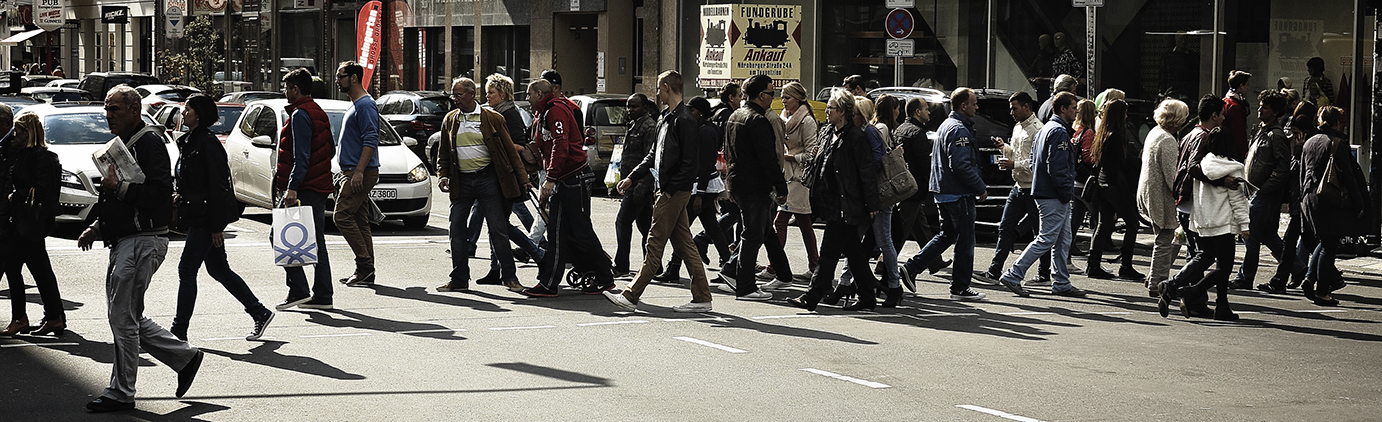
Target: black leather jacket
[(751, 152), (203, 182), (847, 189), (916, 147), (641, 137), (679, 152), (31, 168)]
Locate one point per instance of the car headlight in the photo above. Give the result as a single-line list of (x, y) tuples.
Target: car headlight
[(70, 180), (418, 174)]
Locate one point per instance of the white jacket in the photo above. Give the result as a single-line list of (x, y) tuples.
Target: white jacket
[(1219, 210)]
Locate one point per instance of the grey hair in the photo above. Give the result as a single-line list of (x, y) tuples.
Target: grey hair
[(1066, 83), (125, 94), (843, 101), (464, 81)]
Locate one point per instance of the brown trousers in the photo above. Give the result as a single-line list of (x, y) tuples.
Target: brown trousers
[(352, 219), (670, 223)]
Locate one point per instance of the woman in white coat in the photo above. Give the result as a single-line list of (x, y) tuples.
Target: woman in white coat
[(1218, 215), (1156, 195), (801, 130)]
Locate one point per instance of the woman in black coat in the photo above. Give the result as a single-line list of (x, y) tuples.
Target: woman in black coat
[(32, 195), (1330, 216), (1117, 162), (206, 205), (844, 193)]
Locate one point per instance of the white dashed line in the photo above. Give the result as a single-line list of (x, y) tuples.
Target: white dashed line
[(709, 344), (1026, 313), (1324, 311), (718, 319), (336, 335), (998, 413), (37, 344), (522, 328), (233, 338), (238, 229), (439, 330), (865, 383), (591, 324)]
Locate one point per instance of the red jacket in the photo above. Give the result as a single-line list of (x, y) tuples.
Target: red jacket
[(1236, 120), (556, 131), (318, 177)]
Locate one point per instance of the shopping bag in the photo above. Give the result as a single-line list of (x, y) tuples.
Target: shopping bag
[(294, 237)]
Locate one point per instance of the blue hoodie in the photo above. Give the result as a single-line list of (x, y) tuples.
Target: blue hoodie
[(1053, 162), (954, 160)]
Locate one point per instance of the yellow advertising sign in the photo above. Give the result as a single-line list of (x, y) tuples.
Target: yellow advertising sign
[(742, 40)]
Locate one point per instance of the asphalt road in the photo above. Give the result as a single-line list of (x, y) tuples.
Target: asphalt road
[(402, 351)]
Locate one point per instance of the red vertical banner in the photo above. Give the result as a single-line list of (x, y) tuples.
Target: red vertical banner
[(367, 31)]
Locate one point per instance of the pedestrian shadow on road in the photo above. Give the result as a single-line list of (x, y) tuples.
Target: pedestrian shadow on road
[(34, 299), (421, 294), (365, 322), (188, 414), (97, 351), (267, 354), (554, 373)]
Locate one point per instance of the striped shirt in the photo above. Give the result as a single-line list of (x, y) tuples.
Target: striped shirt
[(471, 153)]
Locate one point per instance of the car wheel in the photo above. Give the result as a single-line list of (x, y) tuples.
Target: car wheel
[(415, 222)]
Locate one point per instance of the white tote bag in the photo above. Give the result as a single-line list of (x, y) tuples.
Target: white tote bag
[(294, 237)]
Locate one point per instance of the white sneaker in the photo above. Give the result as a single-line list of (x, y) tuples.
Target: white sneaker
[(693, 307), (619, 300), (805, 276), (766, 275), (756, 296), (725, 288), (776, 284)]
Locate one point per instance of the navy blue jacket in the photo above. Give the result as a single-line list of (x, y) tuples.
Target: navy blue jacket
[(955, 158), (1054, 160)]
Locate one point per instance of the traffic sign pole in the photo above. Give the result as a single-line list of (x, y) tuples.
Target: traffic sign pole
[(899, 25)]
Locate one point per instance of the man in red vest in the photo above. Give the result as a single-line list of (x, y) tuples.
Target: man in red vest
[(304, 174)]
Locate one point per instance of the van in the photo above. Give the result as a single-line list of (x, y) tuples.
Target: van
[(100, 83)]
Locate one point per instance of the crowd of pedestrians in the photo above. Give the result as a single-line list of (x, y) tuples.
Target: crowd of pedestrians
[(748, 174)]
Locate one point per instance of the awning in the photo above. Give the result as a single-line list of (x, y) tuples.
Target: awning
[(20, 37)]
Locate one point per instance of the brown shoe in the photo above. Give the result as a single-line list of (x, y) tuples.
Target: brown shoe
[(46, 327), (18, 326)]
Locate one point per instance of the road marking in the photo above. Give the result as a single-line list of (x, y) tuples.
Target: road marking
[(998, 413), (719, 319), (37, 344), (788, 316), (1108, 313), (439, 330), (591, 324), (1026, 313), (709, 344), (865, 383), (236, 228), (1324, 311), (942, 314), (233, 338), (336, 335), (522, 328)]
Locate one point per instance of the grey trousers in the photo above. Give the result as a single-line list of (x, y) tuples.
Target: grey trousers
[(1163, 254), (133, 262)]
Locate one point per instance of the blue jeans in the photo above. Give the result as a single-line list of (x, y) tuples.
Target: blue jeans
[(632, 209), (195, 251), (1264, 219), (883, 238), (957, 228), (571, 237), (321, 277), (1054, 236), (481, 187), (1019, 216)]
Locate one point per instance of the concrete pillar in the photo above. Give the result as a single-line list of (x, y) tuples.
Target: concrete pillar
[(540, 40), (616, 42)]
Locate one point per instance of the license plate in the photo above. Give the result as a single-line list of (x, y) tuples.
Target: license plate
[(380, 194)]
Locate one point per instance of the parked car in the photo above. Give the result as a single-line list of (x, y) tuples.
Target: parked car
[(31, 81), (415, 114), (156, 95), (170, 117), (404, 190), (100, 83), (606, 121), (56, 95), (74, 131), (18, 103), (246, 97), (64, 83)]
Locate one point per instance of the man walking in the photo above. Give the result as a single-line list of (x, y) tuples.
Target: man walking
[(956, 182), (477, 162), (755, 175), (132, 220), (1017, 156), (673, 167), (360, 165), (566, 193), (637, 204), (1053, 186), (1269, 168), (305, 150)]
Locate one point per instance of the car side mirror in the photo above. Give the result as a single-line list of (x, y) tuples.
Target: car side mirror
[(263, 141), (409, 141)]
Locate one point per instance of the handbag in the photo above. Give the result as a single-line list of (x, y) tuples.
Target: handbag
[(897, 183), (1090, 194), (532, 157), (294, 237), (27, 217), (1331, 189)]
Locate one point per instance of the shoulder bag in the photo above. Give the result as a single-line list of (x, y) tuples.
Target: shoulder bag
[(896, 182), (1331, 189)]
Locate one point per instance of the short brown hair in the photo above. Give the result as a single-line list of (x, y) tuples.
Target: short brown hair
[(672, 78)]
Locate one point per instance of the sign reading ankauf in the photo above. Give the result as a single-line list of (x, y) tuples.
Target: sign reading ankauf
[(742, 40), (48, 14), (368, 25)]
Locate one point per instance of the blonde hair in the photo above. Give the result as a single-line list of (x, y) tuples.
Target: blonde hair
[(842, 100), (794, 90), (34, 127), (1171, 114), (500, 83), (863, 107), (1085, 114)]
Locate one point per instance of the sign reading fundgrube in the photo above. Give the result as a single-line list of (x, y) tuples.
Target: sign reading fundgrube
[(742, 40)]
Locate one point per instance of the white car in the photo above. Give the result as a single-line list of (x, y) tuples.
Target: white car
[(156, 95), (64, 83), (74, 131), (404, 190)]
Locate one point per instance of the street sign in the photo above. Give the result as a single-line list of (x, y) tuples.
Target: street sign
[(901, 48), (900, 4), (173, 11), (1087, 3), (899, 23), (48, 14)]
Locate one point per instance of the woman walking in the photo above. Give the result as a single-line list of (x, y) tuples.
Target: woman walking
[(1218, 214), (1115, 161), (1156, 195), (843, 181), (1335, 199), (1083, 129), (878, 122), (205, 206), (32, 193), (801, 146)]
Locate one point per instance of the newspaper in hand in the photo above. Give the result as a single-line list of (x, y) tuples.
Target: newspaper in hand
[(114, 153)]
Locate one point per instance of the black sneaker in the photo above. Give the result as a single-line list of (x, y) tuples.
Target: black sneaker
[(189, 373), (1163, 303), (1240, 285), (1130, 273), (1098, 273), (988, 276), (260, 325), (1070, 292), (291, 302), (106, 404), (539, 291), (968, 295), (1015, 287), (520, 255), (597, 287), (316, 304), (491, 279)]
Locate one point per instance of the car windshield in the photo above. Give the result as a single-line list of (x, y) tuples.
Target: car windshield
[(608, 113), (228, 117), (176, 94), (76, 129), (53, 97), (434, 105)]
